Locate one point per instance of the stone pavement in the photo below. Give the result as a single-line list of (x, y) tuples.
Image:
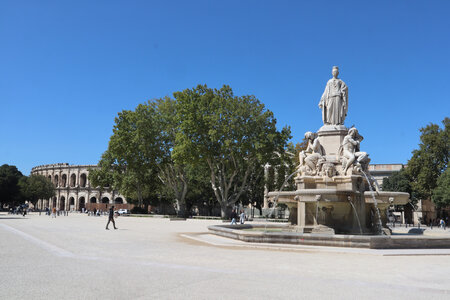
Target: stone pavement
[(74, 257)]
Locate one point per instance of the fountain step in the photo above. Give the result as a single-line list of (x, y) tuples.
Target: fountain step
[(263, 233)]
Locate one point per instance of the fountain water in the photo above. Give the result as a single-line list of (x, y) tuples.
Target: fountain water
[(379, 227), (282, 187), (356, 214), (275, 201)]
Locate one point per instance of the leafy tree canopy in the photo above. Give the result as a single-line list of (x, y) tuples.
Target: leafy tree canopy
[(232, 135), (441, 194), (9, 185), (430, 160), (136, 148), (397, 182), (36, 187)]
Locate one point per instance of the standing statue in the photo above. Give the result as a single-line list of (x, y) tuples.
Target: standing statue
[(334, 101), (312, 157), (351, 151)]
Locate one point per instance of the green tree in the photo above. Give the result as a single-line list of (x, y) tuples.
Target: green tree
[(9, 186), (299, 147), (172, 174), (441, 194), (136, 148), (36, 187), (430, 160), (229, 134), (200, 192), (256, 188), (398, 182)]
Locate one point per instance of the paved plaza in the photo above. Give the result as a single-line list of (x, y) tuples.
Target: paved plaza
[(74, 257)]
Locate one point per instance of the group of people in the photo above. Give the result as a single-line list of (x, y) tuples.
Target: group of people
[(439, 222), (95, 212), (55, 212), (234, 216)]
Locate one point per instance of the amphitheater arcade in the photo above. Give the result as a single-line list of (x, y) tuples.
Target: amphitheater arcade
[(74, 191)]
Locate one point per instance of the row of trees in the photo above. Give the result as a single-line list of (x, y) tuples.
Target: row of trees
[(203, 145), (15, 188), (427, 175)]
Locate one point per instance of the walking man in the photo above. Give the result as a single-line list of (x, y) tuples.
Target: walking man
[(233, 217), (111, 218), (242, 217)]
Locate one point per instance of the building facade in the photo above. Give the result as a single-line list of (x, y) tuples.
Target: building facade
[(380, 171), (74, 191)]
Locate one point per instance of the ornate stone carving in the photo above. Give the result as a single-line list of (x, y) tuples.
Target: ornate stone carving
[(334, 101), (312, 157), (351, 154), (328, 169)]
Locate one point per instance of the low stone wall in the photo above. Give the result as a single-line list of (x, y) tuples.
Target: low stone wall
[(289, 236)]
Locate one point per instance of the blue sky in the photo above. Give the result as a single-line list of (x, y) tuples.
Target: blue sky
[(68, 67)]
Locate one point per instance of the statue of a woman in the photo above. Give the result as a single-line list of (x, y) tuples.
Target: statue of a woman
[(334, 101)]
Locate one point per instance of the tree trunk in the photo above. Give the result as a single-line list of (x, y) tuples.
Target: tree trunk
[(181, 208), (225, 211)]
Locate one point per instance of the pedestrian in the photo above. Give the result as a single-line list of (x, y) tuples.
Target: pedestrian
[(54, 212), (111, 218), (242, 217), (233, 217)]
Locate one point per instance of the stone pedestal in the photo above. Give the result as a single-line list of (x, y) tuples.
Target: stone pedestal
[(330, 138)]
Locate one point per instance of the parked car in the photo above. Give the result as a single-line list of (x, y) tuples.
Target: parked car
[(123, 211)]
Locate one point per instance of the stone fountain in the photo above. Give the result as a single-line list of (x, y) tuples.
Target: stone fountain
[(336, 201), (335, 192)]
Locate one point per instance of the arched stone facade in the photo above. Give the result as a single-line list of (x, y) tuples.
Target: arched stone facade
[(74, 191)]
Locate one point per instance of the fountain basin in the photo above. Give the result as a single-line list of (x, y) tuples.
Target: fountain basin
[(262, 233), (340, 205)]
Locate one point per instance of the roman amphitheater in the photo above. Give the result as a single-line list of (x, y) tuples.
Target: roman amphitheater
[(74, 191)]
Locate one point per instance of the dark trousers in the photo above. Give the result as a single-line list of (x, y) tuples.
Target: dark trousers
[(111, 220)]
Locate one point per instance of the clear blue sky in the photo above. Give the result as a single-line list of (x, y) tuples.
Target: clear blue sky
[(68, 67)]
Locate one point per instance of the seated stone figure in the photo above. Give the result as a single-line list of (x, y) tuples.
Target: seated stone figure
[(311, 158), (351, 152)]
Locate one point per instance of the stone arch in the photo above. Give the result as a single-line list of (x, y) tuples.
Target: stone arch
[(82, 203), (64, 180), (73, 180), (54, 202), (83, 180), (105, 200), (118, 200), (93, 200), (62, 203), (50, 177), (71, 201), (56, 180)]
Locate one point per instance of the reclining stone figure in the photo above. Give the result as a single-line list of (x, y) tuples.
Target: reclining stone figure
[(351, 153), (312, 157)]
